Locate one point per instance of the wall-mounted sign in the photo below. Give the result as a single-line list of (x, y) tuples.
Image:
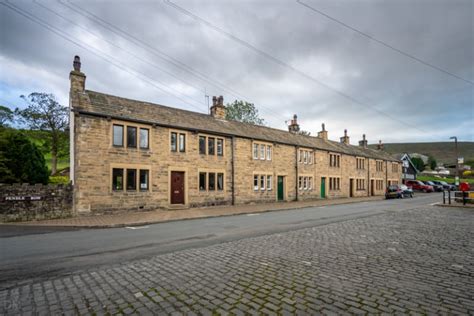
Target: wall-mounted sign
[(22, 198), (460, 160)]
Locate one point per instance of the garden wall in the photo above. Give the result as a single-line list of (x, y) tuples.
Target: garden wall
[(25, 202)]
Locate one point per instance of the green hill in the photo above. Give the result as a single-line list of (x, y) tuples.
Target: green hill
[(443, 152)]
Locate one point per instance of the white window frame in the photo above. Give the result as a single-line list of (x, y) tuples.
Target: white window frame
[(262, 182), (255, 151), (300, 183), (269, 152), (269, 182), (262, 151), (310, 183), (255, 177)]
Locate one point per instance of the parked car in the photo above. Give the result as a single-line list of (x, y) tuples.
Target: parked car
[(446, 186), (436, 187), (397, 191), (417, 185)]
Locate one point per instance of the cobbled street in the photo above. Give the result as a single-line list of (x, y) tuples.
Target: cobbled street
[(419, 261)]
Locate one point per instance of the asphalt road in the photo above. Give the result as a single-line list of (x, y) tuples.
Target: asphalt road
[(45, 252)]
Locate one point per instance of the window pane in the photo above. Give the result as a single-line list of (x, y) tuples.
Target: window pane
[(144, 180), (174, 140), (202, 181), (131, 136), (220, 181), (220, 147), (117, 179), (262, 151), (305, 183), (255, 151), (212, 181), (300, 182), (131, 179), (144, 137), (182, 142), (262, 182), (211, 146), (118, 135), (269, 152), (255, 182), (269, 182), (202, 145)]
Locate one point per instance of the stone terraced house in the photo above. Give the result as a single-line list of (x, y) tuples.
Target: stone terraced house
[(128, 154)]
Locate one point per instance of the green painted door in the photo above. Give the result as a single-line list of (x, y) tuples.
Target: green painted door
[(280, 194), (323, 188)]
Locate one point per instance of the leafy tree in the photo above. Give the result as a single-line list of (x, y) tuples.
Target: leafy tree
[(243, 111), (418, 163), (6, 115), (20, 160), (432, 162), (46, 114)]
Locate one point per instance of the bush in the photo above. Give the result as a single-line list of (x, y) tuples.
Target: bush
[(58, 180), (20, 160)]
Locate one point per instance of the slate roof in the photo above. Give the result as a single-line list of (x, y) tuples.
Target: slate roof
[(121, 108)]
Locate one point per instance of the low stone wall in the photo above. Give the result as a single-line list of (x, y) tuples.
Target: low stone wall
[(25, 202)]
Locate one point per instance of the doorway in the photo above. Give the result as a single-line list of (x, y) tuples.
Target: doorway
[(372, 187), (323, 187), (280, 188), (351, 187), (177, 187)]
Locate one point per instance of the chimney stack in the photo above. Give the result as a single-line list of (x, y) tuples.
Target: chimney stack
[(77, 78), (345, 138), (380, 145), (294, 126), (363, 142), (218, 108), (323, 133)]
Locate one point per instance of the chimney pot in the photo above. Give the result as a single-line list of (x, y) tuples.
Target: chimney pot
[(294, 126), (363, 142), (77, 63)]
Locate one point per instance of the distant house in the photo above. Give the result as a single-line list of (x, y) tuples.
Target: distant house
[(409, 170)]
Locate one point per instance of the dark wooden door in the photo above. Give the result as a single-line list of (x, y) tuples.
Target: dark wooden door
[(351, 187), (281, 189), (372, 187), (177, 187), (323, 187)]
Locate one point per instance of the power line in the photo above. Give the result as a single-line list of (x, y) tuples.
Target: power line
[(417, 59), (284, 64), (115, 45), (63, 35), (166, 57)]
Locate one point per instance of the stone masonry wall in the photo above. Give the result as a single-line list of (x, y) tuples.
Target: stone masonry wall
[(34, 202)]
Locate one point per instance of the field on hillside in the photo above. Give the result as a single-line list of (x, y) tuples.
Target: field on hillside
[(444, 152)]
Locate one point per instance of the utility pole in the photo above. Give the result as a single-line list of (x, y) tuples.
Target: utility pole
[(456, 179)]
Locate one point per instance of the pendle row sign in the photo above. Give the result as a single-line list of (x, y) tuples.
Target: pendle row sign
[(23, 198)]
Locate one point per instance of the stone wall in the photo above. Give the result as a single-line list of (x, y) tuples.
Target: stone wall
[(34, 202)]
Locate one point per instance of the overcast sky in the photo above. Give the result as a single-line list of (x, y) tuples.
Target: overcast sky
[(151, 51)]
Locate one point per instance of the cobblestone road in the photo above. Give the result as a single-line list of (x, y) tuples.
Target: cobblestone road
[(418, 261)]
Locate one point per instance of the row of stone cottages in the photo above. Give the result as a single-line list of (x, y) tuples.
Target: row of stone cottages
[(138, 155)]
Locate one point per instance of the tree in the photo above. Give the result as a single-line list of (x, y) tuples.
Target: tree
[(242, 111), (418, 163), (45, 113), (6, 115), (20, 160), (432, 162)]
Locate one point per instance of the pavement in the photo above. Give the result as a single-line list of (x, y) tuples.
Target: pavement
[(398, 256), (138, 218)]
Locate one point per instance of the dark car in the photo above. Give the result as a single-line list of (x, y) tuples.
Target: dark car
[(446, 186), (397, 191), (417, 185), (436, 187)]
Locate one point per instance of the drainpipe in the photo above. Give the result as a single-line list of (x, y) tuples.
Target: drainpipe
[(233, 170), (368, 177), (297, 171)]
